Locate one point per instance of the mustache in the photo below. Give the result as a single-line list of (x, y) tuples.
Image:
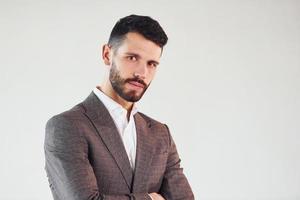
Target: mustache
[(136, 79)]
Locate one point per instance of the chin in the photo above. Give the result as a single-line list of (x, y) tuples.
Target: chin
[(133, 98)]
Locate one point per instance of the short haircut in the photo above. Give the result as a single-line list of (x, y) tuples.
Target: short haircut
[(144, 25)]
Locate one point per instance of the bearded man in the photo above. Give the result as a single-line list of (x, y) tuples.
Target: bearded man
[(103, 148)]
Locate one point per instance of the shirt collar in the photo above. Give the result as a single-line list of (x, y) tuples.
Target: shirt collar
[(111, 105)]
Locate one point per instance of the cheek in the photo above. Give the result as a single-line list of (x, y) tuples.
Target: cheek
[(125, 68)]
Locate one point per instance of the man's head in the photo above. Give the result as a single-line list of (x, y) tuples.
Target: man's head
[(133, 53), (143, 25)]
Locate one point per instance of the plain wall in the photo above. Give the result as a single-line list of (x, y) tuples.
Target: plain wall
[(228, 87)]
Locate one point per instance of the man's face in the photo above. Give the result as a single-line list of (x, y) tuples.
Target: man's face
[(133, 66)]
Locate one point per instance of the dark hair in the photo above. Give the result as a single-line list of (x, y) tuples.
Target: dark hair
[(144, 25)]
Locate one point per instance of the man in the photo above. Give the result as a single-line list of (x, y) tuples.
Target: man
[(103, 148)]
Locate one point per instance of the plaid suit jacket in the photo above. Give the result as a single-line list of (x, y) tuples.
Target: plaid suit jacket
[(86, 159)]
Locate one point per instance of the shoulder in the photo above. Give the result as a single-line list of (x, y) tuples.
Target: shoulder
[(151, 121), (159, 130), (62, 129), (155, 125), (66, 119), (71, 115)]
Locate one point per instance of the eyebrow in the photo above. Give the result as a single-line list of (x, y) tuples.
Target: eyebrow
[(138, 56)]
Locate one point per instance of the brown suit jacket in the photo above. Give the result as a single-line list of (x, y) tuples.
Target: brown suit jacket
[(86, 158)]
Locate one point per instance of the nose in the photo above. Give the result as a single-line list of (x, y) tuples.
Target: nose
[(141, 71)]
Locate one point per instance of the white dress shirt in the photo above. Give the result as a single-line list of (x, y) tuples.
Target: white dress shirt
[(126, 128)]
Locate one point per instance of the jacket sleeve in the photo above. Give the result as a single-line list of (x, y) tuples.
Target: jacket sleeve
[(69, 172), (175, 185)]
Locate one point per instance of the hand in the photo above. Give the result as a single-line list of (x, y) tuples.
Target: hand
[(156, 196)]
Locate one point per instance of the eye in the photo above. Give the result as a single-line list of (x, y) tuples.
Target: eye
[(131, 58), (153, 65)]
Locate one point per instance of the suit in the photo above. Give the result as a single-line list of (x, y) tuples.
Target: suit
[(86, 158)]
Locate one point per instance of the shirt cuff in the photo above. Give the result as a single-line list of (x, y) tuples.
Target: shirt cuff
[(150, 196)]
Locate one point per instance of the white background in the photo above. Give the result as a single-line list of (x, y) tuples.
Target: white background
[(228, 86)]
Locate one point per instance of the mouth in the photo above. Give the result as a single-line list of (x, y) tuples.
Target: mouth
[(136, 84)]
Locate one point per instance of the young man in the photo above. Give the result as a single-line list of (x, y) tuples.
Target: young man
[(103, 148)]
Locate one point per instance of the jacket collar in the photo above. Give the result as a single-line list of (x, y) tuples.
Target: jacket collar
[(107, 130)]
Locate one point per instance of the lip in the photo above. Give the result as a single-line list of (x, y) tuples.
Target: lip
[(136, 84)]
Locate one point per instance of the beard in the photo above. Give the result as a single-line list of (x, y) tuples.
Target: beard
[(118, 84)]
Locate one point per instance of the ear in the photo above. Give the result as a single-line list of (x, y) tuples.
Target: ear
[(106, 54)]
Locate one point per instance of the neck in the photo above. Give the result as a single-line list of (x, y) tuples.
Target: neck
[(107, 89)]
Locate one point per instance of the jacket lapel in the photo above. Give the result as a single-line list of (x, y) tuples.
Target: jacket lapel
[(144, 153), (104, 124)]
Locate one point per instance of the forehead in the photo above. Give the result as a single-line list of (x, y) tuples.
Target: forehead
[(138, 44)]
